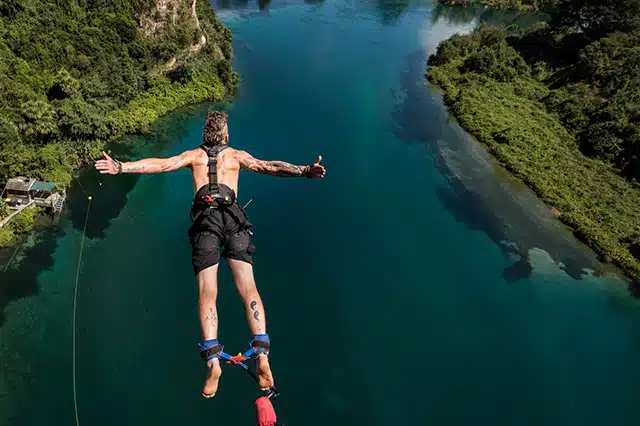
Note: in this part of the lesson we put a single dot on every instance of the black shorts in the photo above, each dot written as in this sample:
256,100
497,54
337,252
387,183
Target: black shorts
219,229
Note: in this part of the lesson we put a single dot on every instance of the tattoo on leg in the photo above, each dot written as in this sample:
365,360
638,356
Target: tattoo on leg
252,305
256,316
211,316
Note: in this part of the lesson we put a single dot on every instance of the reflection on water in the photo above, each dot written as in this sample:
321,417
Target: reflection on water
505,210
390,11
459,15
20,278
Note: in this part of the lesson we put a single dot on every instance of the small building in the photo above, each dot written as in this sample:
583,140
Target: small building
16,191
21,191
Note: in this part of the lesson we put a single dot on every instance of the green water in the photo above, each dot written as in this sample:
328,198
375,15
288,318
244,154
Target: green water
416,284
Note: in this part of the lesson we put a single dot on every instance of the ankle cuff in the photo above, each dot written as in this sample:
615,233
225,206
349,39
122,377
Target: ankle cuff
210,349
261,338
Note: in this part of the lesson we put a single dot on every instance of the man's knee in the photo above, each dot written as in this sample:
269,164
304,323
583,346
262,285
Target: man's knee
245,282
208,280
247,288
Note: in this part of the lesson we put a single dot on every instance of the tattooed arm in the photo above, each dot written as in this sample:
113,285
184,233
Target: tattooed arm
280,168
148,165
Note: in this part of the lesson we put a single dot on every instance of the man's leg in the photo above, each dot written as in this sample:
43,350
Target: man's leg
246,284
208,292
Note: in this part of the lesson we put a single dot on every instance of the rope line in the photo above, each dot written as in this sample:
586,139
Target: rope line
81,186
75,305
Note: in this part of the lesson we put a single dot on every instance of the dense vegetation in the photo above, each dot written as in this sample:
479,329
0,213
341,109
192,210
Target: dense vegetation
22,224
77,73
559,105
525,5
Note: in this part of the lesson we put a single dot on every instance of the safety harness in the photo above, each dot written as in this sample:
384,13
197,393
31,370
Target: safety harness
216,196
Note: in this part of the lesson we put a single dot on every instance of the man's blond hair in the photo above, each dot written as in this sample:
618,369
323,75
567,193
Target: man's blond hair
215,128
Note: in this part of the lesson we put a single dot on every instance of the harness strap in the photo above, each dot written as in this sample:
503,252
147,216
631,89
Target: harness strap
234,210
212,152
238,215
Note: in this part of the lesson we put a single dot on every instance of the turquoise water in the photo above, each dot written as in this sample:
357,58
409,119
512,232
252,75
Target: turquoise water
416,284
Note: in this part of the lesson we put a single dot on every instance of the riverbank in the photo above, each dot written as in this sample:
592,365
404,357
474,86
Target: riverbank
522,5
75,79
499,98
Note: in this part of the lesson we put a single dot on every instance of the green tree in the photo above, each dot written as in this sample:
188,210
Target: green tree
597,18
39,119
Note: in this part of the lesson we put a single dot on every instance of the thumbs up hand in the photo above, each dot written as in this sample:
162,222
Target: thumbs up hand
316,170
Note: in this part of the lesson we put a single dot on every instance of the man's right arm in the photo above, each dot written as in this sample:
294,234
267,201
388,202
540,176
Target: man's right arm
280,168
149,165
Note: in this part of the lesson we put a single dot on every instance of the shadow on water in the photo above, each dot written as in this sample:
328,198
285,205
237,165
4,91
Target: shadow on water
20,278
19,282
506,211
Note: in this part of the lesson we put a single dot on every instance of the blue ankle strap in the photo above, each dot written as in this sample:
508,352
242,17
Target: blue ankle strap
261,338
260,344
210,349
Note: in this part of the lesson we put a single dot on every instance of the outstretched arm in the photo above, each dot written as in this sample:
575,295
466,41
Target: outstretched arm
281,168
149,165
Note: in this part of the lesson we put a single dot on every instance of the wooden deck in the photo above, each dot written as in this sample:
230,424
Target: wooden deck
54,202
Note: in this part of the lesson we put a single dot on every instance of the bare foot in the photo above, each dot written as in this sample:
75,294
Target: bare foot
211,382
265,378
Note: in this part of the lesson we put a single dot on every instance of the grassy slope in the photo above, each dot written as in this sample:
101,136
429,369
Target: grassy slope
600,206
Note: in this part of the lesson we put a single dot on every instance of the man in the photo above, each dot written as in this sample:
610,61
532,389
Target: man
220,223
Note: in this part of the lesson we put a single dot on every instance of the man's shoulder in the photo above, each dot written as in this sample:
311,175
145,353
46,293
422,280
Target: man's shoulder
201,154
198,155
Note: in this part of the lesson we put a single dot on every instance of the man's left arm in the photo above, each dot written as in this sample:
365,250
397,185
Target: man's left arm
149,165
280,168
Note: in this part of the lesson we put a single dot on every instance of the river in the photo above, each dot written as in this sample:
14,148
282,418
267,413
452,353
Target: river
416,284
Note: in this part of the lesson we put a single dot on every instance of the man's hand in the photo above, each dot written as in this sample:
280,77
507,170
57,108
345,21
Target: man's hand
316,170
108,166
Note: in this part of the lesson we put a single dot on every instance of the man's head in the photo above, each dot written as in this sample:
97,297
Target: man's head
215,129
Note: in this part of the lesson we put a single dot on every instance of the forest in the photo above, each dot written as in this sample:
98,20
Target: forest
75,74
559,105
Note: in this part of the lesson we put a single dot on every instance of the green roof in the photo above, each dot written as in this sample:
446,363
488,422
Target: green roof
43,186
